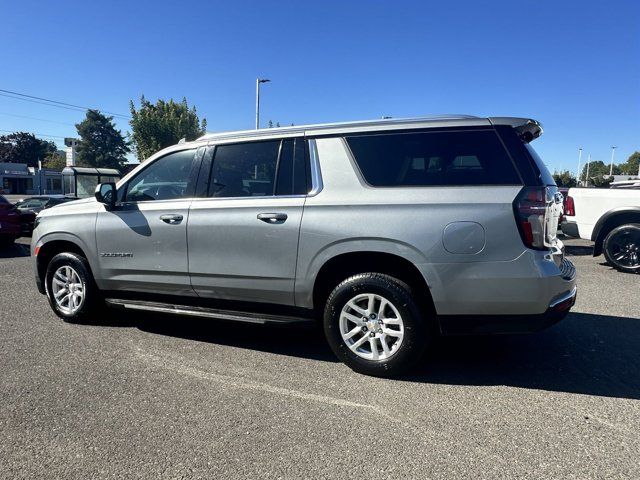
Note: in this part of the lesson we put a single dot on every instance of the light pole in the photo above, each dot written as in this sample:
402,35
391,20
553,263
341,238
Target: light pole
586,180
258,82
613,151
579,160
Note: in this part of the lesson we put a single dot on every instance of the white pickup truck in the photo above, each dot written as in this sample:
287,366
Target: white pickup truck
611,219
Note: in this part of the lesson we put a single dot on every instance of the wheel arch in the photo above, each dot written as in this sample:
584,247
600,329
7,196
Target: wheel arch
49,248
341,266
610,220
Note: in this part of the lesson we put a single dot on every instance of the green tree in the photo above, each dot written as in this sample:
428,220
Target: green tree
630,167
159,125
24,147
55,161
100,144
565,179
598,170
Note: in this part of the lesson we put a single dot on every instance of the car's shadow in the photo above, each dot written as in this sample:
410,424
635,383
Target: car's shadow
14,250
586,354
578,250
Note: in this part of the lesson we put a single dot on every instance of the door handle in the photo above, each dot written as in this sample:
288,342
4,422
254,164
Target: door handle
272,217
171,219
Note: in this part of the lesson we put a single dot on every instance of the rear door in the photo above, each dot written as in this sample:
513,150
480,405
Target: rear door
243,235
142,242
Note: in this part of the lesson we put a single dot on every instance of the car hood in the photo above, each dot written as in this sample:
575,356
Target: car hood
61,208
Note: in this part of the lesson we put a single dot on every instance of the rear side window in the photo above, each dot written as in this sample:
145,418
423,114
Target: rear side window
244,169
276,167
545,174
433,158
292,178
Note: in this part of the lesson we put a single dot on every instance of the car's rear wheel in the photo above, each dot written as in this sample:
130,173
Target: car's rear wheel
622,248
374,325
71,290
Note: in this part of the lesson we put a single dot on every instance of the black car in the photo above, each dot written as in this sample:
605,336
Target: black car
40,202
30,207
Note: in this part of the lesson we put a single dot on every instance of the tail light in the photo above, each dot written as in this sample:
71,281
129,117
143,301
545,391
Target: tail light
569,207
530,207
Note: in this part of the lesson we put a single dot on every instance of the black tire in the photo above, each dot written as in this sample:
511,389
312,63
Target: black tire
91,298
416,334
621,248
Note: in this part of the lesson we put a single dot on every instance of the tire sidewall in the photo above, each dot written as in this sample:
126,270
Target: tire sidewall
606,246
415,336
79,264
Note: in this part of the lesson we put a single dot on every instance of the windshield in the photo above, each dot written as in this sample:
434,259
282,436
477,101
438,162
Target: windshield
545,175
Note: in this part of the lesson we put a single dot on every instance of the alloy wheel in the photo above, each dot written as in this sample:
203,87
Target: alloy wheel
371,326
68,290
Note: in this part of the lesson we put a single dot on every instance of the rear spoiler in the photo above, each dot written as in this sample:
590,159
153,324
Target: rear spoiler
526,128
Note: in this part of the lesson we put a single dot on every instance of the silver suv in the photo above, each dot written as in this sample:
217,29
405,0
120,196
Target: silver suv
388,232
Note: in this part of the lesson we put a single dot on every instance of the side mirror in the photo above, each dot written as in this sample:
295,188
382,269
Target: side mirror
106,193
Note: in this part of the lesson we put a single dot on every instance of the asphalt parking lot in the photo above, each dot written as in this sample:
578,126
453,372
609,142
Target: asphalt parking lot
154,397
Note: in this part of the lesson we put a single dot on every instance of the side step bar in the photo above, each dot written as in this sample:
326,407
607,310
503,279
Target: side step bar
236,316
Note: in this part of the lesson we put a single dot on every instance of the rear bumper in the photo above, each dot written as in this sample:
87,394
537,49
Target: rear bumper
570,229
505,324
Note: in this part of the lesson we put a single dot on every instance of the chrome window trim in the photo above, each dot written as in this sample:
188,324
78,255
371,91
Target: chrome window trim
257,197
316,174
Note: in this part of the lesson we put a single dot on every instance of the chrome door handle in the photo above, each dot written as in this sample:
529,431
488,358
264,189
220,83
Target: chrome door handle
171,219
272,217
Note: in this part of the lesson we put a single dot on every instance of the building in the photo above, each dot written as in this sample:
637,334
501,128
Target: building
20,179
71,154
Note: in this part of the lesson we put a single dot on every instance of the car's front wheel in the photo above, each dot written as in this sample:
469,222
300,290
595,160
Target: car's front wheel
374,325
622,248
71,290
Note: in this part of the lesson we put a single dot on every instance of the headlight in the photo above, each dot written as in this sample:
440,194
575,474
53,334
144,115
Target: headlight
36,222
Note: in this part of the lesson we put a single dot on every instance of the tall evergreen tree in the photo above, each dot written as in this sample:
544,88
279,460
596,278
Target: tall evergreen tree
165,123
100,144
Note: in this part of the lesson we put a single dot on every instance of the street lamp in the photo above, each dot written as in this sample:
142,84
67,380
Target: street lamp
613,151
579,159
258,82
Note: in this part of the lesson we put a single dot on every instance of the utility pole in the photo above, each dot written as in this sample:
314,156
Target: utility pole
258,82
586,180
579,160
613,151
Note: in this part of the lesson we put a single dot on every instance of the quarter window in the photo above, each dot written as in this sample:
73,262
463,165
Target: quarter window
433,158
167,178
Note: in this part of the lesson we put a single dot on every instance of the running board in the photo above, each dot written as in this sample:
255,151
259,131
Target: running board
232,315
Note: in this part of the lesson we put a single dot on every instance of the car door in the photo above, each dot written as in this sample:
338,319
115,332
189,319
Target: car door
142,241
243,236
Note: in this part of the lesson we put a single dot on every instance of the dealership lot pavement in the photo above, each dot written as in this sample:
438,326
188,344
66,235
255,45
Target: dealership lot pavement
154,397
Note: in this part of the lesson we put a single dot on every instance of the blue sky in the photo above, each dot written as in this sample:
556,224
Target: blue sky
573,65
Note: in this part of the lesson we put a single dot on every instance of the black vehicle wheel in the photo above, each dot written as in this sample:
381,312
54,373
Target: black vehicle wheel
374,325
71,290
622,248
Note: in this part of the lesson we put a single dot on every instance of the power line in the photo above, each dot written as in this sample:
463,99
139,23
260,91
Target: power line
41,103
57,103
35,118
36,134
